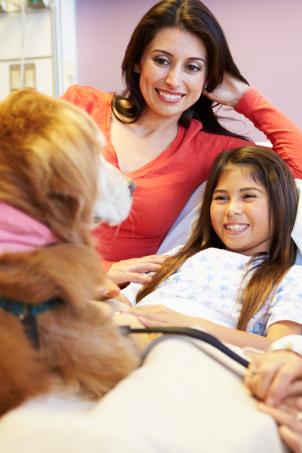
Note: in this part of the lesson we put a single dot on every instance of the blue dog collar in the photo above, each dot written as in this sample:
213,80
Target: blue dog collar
22,310
27,314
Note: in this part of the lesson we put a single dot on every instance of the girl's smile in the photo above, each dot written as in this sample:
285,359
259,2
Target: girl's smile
240,212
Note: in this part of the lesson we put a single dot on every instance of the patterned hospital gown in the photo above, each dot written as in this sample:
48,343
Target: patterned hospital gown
207,284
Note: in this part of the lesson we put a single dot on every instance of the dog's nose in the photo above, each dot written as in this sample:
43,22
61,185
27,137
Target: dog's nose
131,186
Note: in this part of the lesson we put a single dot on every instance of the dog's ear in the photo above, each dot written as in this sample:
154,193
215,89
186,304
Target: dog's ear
49,156
68,210
64,210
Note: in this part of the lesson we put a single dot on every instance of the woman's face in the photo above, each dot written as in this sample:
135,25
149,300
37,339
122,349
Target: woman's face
240,212
173,72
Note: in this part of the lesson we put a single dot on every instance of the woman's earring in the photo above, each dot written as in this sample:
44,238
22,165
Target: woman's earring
136,69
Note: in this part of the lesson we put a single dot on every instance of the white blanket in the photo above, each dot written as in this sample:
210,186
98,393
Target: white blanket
180,401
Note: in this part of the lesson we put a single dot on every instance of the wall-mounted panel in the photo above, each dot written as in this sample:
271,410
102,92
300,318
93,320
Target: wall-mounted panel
42,37
43,76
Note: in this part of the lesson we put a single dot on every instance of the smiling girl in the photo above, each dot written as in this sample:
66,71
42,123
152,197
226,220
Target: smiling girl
236,272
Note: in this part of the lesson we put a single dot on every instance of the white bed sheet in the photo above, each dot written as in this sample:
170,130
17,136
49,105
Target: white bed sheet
181,400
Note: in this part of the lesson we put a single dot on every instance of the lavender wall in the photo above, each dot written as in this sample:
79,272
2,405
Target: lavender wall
265,37
103,31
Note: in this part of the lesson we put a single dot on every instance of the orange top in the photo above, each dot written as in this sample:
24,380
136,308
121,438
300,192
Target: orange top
164,185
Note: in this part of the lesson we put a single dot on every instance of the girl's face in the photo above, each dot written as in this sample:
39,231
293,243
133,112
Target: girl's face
240,212
173,72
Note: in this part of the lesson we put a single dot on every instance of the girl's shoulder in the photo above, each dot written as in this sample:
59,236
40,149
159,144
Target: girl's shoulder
290,285
294,274
221,258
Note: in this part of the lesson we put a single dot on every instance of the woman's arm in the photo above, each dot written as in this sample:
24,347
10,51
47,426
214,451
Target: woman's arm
285,136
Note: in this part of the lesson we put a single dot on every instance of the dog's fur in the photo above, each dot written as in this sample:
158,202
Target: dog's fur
49,156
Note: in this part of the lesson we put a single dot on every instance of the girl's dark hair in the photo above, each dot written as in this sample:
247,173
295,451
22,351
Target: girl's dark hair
194,17
268,169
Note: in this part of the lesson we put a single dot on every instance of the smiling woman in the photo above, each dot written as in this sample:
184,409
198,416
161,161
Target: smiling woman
163,130
173,72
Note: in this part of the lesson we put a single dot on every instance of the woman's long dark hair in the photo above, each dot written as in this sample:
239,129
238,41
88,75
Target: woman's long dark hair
194,17
270,171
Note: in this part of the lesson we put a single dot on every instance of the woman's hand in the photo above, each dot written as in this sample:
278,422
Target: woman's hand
274,376
290,423
135,269
229,91
108,290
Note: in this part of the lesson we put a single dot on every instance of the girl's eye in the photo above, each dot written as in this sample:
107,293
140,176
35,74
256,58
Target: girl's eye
161,60
249,195
219,198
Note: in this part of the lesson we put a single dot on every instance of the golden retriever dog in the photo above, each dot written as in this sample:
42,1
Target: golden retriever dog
53,182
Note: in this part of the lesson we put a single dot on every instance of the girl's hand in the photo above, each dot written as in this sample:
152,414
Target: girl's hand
274,376
290,424
229,91
135,269
159,315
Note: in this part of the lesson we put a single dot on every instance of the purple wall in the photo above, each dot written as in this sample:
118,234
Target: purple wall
265,37
103,30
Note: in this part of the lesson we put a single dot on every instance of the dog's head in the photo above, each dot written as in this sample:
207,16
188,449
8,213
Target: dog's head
50,166
114,200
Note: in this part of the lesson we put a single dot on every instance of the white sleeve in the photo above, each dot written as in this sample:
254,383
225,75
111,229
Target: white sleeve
131,292
286,303
289,343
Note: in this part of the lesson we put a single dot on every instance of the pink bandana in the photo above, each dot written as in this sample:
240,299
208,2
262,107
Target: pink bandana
19,232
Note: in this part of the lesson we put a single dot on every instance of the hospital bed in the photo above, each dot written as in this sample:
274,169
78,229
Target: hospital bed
185,398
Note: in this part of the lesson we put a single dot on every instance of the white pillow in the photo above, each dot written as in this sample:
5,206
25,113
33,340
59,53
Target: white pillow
297,230
182,227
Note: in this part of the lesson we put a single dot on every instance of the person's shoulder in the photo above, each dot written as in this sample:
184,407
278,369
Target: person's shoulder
83,94
83,89
227,141
221,255
295,272
291,281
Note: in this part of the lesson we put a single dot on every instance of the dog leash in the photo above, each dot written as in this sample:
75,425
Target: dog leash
189,332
